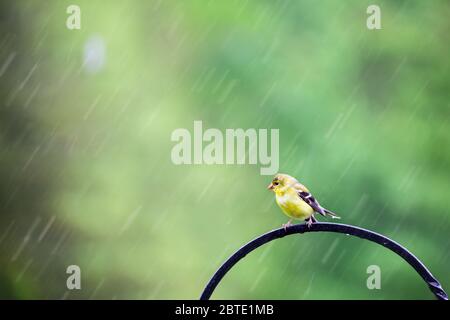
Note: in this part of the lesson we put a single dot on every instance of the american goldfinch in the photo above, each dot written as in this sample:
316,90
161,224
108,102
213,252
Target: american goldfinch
295,200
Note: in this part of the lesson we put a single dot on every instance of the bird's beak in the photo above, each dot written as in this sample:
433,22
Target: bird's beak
270,186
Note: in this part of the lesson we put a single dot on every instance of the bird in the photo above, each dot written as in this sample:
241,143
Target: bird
296,201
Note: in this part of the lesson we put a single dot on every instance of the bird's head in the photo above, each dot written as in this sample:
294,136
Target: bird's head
281,182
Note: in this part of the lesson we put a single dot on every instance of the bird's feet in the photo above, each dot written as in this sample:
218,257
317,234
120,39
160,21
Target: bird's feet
286,225
310,221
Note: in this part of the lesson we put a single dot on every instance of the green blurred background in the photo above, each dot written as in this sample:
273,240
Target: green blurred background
86,117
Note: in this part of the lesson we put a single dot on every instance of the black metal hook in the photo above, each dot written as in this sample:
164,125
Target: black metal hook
426,275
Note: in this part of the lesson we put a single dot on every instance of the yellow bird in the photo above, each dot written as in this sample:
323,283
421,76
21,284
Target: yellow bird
296,201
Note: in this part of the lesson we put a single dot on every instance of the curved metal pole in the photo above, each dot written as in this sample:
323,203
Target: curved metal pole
432,282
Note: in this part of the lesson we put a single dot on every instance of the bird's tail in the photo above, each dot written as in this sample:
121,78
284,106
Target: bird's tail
331,214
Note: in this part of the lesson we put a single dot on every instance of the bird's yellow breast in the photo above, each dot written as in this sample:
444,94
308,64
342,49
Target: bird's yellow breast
292,205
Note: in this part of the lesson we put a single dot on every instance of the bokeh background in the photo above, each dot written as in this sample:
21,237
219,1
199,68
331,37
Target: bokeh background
86,117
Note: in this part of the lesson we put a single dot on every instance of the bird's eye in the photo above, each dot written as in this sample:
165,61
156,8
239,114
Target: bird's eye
276,183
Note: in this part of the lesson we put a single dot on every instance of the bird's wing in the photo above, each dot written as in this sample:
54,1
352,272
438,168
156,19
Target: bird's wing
309,199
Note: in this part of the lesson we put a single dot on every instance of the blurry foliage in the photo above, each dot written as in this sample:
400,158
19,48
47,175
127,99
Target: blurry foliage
85,170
